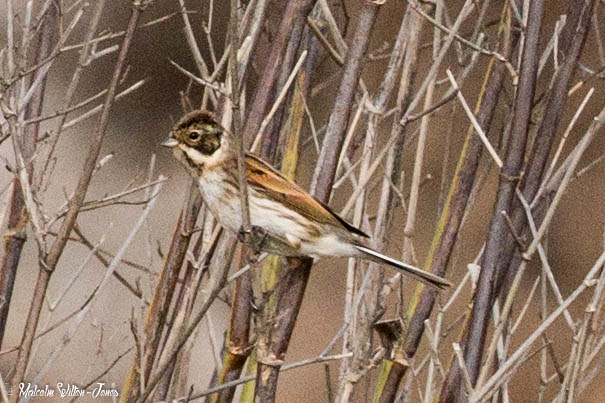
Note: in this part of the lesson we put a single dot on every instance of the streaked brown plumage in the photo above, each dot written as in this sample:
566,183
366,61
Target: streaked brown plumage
296,223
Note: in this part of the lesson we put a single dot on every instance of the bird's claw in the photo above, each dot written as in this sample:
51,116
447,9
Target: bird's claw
254,237
243,234
254,306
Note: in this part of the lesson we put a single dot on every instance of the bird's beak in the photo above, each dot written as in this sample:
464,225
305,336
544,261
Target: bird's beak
170,142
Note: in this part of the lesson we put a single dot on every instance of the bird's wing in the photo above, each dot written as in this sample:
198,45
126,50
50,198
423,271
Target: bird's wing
264,179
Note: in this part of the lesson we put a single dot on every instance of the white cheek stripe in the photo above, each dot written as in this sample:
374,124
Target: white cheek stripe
207,160
193,154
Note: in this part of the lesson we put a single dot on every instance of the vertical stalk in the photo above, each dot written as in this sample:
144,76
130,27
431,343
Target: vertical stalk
265,93
162,296
237,340
323,179
271,270
571,43
509,177
452,214
15,235
293,280
410,223
48,261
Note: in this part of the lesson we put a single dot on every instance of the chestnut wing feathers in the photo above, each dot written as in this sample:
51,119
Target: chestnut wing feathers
265,179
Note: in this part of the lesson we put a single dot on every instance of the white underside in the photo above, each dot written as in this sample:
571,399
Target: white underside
284,224
272,217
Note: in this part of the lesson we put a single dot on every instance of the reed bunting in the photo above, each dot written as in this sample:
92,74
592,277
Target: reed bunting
294,222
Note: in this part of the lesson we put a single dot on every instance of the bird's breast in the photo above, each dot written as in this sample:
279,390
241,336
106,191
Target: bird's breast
221,195
305,235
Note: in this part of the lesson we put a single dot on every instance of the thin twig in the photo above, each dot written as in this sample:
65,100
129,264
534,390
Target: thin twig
248,378
473,120
49,261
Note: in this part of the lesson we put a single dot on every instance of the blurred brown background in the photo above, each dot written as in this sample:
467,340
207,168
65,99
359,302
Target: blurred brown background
140,121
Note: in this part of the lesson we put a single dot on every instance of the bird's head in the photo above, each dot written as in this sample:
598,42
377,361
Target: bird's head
198,141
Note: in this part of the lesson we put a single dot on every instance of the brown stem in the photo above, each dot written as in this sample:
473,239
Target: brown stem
295,11
273,323
218,286
174,379
453,210
323,179
164,291
294,277
272,133
362,321
15,235
391,385
289,294
509,177
180,305
386,389
237,338
235,108
49,261
237,341
83,62
571,41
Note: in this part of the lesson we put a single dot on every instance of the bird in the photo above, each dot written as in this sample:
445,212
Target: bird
292,221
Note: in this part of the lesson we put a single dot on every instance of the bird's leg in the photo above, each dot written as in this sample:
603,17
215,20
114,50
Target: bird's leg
260,240
256,307
254,237
243,234
259,236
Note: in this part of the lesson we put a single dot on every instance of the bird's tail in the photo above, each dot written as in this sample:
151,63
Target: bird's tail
414,272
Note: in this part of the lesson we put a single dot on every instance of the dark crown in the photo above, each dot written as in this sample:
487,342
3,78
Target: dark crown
198,117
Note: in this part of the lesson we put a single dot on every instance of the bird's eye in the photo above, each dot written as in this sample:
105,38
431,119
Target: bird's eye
194,135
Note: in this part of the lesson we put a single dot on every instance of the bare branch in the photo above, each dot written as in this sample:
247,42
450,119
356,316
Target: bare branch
50,260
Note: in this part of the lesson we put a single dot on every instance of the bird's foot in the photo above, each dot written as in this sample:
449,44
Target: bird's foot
256,307
255,237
